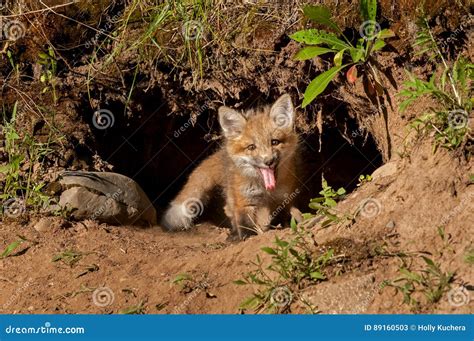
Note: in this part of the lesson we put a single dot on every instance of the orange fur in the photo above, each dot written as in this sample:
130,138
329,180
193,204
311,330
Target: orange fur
256,141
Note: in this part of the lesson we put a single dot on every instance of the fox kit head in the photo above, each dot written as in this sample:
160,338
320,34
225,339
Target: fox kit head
259,141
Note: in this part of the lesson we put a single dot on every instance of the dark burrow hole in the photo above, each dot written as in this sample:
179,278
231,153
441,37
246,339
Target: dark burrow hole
159,150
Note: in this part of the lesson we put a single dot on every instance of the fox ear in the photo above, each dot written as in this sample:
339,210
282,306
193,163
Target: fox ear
282,112
231,121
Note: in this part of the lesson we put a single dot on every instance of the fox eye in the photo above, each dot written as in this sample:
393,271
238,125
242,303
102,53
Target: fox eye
275,142
251,147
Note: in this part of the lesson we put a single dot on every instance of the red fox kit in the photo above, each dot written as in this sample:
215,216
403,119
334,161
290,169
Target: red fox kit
255,168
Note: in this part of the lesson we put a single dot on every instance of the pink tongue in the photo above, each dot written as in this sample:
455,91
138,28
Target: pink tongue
268,178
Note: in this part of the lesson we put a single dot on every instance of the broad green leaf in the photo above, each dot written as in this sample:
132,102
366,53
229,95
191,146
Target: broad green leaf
331,202
317,275
356,54
309,37
320,15
341,191
10,248
309,52
385,33
338,57
319,84
368,9
411,275
316,37
280,242
378,45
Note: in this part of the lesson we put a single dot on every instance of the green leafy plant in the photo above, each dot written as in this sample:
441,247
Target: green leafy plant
48,75
68,257
319,42
364,179
11,247
430,281
325,205
294,265
15,245
19,181
138,309
450,87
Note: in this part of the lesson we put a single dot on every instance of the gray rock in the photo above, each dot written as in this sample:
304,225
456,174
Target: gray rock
106,197
44,224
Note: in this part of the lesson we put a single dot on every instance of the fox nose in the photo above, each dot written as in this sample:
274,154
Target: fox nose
269,161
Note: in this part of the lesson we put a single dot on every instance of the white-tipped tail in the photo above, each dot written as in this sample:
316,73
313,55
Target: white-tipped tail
177,218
